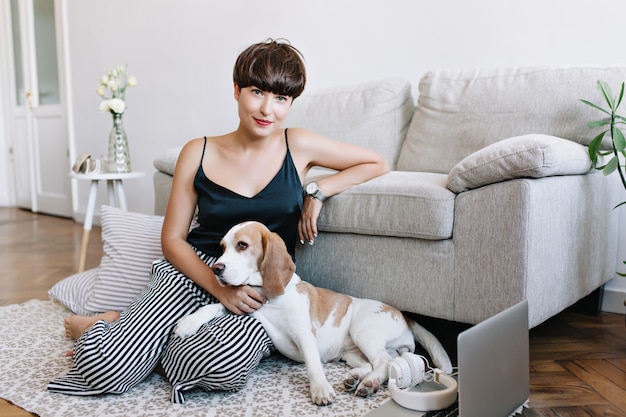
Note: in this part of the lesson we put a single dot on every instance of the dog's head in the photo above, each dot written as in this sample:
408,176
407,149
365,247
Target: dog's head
254,255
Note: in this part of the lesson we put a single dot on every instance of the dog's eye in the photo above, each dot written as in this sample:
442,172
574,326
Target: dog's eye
241,245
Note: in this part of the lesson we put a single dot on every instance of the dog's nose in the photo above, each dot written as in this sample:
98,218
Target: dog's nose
218,269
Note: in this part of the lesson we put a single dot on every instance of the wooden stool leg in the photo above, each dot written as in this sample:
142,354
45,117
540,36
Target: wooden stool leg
91,206
83,250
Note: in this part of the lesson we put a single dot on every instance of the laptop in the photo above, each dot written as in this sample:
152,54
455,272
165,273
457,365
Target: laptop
493,370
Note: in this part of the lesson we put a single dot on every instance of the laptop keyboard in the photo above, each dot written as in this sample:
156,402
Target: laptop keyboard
452,411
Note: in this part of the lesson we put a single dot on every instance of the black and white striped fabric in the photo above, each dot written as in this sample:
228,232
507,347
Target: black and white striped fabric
114,357
211,359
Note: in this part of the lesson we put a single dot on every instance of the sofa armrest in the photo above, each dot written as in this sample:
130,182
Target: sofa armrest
527,156
534,239
166,162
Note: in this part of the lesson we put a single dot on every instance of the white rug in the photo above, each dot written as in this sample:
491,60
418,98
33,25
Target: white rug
32,348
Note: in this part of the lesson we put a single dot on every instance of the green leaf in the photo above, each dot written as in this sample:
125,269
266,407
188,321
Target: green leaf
594,146
596,107
611,166
620,204
618,139
599,123
607,93
621,95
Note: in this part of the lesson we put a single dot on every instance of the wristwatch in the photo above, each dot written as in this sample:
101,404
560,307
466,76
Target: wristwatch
313,190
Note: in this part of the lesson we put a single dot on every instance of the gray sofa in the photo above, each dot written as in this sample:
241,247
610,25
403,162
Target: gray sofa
491,199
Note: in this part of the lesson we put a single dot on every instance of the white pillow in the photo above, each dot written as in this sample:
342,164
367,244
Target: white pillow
531,156
131,242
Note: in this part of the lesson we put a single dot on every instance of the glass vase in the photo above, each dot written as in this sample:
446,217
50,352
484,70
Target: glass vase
119,157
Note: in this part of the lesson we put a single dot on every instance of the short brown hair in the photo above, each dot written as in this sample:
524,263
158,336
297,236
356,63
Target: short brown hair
274,66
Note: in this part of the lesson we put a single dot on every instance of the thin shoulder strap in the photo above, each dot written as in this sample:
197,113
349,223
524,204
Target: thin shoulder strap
286,139
203,148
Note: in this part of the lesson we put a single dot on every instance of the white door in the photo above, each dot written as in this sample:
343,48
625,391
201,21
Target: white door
38,129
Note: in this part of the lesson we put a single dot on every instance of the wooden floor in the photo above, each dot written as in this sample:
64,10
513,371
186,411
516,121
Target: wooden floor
578,362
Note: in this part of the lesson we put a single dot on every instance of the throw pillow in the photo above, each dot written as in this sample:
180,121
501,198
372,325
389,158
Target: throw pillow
131,242
74,291
532,156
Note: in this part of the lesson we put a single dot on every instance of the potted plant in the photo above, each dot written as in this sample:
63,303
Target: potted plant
611,124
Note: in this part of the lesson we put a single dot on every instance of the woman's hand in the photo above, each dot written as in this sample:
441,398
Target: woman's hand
307,226
241,300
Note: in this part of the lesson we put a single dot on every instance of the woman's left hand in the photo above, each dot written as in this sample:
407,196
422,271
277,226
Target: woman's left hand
307,226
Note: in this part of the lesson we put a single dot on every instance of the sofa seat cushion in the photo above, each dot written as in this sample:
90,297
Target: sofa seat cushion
399,204
461,111
528,156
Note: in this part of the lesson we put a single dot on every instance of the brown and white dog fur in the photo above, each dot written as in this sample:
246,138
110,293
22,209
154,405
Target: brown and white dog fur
314,325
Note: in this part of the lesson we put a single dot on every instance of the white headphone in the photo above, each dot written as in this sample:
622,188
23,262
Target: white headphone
409,370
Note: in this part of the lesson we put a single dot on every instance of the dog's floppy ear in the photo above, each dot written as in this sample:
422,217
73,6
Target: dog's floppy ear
276,265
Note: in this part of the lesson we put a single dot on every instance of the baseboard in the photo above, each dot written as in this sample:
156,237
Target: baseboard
614,296
79,217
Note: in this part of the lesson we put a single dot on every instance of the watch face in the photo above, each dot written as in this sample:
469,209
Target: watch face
311,188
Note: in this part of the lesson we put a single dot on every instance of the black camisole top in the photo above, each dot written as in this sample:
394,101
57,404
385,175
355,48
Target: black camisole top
278,206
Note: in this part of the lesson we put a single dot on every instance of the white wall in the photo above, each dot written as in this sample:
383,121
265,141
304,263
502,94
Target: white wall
182,52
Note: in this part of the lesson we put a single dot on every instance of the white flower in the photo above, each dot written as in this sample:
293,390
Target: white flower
117,105
112,89
112,84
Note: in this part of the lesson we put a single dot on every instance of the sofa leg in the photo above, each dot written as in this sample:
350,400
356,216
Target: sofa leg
590,305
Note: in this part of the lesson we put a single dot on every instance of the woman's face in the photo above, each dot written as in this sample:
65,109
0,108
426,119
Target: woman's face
261,112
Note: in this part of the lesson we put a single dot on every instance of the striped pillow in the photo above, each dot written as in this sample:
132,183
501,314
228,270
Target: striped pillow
131,242
74,291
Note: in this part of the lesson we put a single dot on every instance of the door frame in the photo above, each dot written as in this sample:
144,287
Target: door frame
7,181
8,192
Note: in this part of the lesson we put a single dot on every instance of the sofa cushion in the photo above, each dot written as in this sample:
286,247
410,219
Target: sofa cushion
400,204
375,115
533,156
461,111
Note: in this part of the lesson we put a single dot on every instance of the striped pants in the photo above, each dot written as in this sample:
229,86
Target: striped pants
114,357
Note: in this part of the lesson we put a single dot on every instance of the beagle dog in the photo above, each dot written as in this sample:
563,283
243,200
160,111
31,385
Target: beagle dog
314,325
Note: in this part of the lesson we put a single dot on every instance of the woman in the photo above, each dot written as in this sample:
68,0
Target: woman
252,173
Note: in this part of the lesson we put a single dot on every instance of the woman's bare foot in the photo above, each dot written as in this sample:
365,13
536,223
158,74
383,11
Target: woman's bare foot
76,325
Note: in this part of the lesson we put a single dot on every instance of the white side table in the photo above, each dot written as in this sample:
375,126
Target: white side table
115,196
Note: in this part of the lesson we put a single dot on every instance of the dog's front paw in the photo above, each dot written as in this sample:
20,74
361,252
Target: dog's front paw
188,325
352,380
322,393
